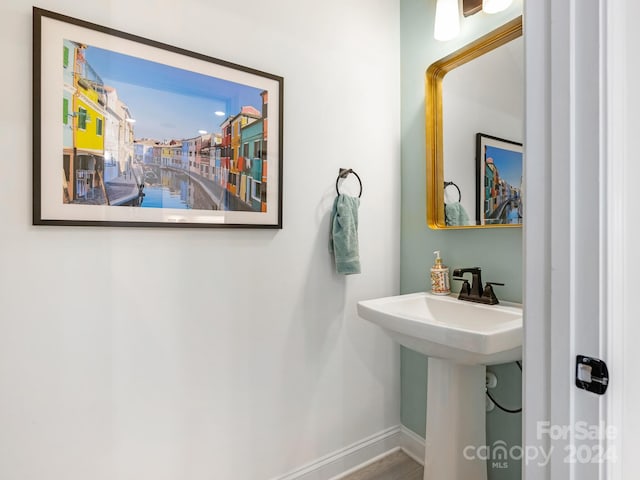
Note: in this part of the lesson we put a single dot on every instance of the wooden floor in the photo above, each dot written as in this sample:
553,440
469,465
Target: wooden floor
396,466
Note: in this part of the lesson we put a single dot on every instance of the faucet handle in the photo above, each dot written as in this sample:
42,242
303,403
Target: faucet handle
466,288
489,293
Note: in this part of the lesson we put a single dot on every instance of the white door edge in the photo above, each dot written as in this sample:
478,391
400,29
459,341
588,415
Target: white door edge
574,267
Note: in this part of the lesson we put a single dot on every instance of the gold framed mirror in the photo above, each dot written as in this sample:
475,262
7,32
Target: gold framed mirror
474,129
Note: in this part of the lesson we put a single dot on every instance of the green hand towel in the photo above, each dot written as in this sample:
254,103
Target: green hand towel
456,214
343,241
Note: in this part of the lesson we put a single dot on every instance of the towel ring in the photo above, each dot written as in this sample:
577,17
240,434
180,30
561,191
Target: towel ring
344,173
448,184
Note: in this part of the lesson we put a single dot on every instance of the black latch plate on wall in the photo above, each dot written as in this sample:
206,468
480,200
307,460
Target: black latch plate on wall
591,374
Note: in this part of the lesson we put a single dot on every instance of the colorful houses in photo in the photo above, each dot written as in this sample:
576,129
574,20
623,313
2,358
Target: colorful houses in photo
97,130
83,127
491,179
175,147
203,154
246,116
143,151
265,131
156,154
118,143
247,138
216,152
225,153
250,164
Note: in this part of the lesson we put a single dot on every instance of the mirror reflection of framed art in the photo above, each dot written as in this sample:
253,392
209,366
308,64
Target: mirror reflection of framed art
499,181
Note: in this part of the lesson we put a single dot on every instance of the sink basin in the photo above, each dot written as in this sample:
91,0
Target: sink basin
448,328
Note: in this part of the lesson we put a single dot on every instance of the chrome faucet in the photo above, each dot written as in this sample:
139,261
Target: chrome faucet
475,292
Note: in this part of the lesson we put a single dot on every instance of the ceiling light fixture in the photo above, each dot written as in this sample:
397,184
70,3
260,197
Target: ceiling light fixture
495,6
447,24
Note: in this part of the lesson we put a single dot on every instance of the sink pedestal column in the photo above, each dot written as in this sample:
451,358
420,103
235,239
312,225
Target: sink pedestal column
456,412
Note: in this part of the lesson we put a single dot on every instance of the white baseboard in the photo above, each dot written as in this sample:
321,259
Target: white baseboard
360,454
412,444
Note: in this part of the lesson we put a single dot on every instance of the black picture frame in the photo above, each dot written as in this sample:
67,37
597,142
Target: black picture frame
123,111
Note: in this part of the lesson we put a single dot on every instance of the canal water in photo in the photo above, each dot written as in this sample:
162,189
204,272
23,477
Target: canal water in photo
170,189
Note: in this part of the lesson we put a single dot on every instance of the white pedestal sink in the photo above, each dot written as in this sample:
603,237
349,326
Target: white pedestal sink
460,338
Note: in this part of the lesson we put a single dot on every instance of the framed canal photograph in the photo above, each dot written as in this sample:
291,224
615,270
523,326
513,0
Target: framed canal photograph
499,181
132,132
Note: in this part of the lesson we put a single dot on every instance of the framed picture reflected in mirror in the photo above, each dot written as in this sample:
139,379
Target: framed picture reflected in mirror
499,181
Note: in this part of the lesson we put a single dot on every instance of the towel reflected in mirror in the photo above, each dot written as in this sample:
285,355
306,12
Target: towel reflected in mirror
454,212
456,215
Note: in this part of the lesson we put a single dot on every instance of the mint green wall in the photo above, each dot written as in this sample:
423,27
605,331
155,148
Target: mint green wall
497,251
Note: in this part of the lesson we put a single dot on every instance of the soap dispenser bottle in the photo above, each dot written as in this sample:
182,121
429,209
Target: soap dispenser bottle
440,277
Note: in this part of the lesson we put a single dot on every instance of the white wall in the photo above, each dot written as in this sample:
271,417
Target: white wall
197,354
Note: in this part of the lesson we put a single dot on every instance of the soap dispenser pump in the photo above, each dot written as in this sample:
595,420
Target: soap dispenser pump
440,277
